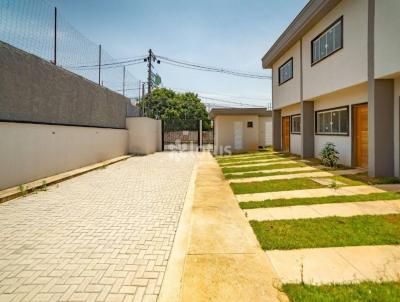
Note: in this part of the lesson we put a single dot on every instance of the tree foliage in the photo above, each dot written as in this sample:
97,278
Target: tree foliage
167,104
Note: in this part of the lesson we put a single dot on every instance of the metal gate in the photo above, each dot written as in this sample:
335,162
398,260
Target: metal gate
187,135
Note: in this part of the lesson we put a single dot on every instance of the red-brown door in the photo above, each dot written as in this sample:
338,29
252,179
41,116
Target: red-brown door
285,133
361,135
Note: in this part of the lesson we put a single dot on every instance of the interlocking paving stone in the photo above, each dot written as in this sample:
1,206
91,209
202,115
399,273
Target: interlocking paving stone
102,236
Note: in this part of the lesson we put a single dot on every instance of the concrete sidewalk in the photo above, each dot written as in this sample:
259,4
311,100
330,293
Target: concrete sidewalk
337,264
224,260
341,191
346,209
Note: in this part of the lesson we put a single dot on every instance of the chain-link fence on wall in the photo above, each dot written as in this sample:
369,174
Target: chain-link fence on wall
38,28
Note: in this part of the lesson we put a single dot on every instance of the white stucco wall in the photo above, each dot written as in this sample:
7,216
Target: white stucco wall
346,67
387,41
397,127
289,92
31,151
224,133
295,139
144,135
347,97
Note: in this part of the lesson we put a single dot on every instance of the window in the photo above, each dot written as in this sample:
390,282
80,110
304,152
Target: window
286,71
295,124
327,42
249,124
333,122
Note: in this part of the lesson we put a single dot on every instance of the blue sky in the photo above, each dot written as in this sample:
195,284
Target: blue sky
225,33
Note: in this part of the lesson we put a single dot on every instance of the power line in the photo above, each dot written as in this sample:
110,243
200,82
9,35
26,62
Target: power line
222,95
231,102
202,67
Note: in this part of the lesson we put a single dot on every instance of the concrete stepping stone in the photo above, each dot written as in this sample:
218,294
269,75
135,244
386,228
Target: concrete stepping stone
338,264
327,181
263,164
345,191
239,163
295,169
346,209
277,177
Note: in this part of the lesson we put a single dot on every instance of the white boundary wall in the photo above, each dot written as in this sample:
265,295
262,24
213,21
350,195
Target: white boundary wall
33,151
144,135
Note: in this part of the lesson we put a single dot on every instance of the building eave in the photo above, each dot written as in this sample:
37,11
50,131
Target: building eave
314,11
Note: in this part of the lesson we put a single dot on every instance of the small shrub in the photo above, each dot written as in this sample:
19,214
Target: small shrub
329,155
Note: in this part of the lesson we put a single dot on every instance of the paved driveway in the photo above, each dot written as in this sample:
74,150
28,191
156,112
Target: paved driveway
103,236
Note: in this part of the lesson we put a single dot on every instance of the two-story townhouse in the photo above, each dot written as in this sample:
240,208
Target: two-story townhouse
336,78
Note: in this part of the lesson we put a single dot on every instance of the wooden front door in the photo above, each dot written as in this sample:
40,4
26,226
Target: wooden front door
285,133
361,135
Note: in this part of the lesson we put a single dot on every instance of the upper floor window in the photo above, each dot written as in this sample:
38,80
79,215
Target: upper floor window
333,121
286,71
327,42
295,124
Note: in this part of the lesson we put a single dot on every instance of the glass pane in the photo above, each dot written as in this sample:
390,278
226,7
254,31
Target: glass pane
317,53
330,41
335,121
338,35
320,122
344,121
323,46
327,122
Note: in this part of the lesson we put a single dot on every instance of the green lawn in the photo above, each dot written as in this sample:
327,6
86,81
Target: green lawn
328,232
317,200
263,167
275,185
362,292
259,174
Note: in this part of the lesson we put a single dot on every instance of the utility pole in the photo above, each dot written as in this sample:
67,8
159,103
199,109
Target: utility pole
150,59
55,36
143,100
99,64
123,81
149,71
140,86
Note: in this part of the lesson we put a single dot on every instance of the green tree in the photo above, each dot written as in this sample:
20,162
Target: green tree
167,104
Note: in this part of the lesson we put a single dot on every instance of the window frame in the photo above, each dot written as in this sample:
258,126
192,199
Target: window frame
341,108
250,124
291,123
322,33
279,72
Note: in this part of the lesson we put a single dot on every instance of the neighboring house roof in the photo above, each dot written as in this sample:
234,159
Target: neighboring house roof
314,11
240,111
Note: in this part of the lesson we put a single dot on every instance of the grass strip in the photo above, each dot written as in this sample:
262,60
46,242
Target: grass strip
260,174
319,200
275,185
263,167
328,232
361,292
364,178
